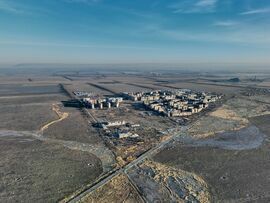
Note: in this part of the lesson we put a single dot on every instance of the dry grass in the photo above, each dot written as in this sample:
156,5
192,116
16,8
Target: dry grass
248,108
36,171
225,113
211,125
118,189
163,173
61,116
25,117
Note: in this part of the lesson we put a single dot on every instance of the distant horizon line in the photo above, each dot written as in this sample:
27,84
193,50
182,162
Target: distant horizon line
136,63
198,67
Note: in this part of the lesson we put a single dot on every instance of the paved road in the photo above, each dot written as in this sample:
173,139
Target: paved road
125,169
90,115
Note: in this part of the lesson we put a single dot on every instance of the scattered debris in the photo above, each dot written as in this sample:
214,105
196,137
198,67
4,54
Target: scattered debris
162,183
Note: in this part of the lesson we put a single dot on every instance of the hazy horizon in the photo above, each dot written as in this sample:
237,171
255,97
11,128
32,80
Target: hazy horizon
139,67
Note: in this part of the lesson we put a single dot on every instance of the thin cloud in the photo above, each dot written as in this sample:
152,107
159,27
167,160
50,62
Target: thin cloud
83,1
21,9
225,23
206,3
9,7
256,11
194,6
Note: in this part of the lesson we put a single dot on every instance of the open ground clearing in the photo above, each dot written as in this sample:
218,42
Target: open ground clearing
205,87
120,87
265,83
30,79
84,86
246,138
37,171
263,99
221,120
24,89
32,99
211,125
25,117
76,133
73,128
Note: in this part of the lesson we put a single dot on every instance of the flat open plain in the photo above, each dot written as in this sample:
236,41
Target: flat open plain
222,157
41,166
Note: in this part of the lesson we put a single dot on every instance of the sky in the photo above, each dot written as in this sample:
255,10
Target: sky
135,31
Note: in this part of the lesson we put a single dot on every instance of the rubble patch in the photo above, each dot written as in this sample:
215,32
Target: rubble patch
162,183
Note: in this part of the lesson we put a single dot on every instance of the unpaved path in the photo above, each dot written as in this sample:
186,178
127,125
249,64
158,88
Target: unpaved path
61,116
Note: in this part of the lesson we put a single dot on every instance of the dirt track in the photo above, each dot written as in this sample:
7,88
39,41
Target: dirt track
61,116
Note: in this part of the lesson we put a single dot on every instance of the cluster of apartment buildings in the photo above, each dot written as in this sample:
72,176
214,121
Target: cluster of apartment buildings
144,96
173,103
94,102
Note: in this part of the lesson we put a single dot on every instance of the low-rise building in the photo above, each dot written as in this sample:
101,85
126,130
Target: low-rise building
125,134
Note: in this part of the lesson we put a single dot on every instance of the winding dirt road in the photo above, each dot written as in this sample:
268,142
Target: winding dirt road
61,116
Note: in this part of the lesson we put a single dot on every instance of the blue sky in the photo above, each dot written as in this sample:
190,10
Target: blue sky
135,31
